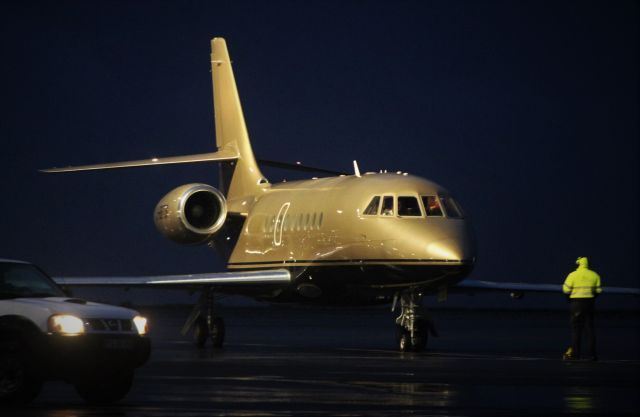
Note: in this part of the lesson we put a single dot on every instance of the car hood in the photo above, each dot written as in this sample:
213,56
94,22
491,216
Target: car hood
74,306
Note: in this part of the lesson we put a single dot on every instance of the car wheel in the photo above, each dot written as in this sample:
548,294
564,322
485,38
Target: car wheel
18,384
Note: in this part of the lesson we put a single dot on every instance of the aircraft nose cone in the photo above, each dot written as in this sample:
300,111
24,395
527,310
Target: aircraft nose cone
459,244
452,249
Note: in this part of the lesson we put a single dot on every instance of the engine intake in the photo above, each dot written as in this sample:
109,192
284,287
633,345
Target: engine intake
191,214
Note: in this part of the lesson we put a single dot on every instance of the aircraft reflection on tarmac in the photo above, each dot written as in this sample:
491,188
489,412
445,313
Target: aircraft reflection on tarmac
292,374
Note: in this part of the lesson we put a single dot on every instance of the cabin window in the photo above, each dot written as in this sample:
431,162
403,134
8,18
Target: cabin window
372,208
432,206
387,206
451,208
320,220
408,206
314,225
287,221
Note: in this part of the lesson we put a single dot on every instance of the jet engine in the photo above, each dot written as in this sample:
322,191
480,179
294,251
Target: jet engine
191,214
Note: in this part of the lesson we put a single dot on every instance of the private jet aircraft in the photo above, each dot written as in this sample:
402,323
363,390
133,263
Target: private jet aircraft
360,239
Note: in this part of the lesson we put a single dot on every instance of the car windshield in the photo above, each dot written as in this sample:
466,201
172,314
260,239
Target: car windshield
25,280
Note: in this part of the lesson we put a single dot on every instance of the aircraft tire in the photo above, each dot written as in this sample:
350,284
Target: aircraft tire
218,332
406,343
18,384
200,333
105,389
403,339
419,343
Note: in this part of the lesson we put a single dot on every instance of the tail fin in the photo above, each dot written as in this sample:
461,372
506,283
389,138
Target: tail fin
241,177
239,173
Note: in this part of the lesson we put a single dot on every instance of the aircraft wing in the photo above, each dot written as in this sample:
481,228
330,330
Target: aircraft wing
220,156
216,279
472,285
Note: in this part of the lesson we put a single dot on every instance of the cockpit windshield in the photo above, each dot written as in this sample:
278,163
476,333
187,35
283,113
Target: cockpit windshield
387,205
451,207
372,208
432,206
25,280
408,206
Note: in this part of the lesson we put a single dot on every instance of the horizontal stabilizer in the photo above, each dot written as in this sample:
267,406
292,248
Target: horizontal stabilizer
297,167
219,279
220,156
472,284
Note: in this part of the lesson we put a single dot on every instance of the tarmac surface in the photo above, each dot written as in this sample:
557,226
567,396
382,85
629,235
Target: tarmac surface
294,361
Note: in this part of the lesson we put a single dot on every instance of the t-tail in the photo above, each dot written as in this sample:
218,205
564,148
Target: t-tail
195,213
240,175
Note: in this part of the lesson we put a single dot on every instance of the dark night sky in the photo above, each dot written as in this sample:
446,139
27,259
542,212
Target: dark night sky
526,111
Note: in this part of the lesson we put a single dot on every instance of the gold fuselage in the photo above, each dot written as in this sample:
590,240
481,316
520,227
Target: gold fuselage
317,229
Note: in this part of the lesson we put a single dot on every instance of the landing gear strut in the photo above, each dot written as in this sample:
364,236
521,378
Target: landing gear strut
413,325
204,321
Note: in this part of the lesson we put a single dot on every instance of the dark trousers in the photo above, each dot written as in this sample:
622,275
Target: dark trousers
582,312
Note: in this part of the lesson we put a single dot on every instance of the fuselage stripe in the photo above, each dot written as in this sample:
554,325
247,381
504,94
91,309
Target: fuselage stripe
354,262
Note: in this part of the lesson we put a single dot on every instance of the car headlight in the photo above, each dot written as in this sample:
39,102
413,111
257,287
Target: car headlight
141,325
66,324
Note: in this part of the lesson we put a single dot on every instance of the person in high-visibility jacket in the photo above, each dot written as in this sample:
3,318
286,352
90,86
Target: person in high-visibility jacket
582,286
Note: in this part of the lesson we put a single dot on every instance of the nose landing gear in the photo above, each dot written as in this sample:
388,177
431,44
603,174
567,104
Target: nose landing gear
413,325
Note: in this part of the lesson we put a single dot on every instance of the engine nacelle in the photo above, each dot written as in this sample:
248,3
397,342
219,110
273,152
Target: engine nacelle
191,214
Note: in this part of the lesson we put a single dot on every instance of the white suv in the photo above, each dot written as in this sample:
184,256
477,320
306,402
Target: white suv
45,335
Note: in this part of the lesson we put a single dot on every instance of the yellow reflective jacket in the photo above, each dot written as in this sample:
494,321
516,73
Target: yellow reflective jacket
583,282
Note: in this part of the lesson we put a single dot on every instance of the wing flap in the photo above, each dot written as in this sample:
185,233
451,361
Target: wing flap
218,279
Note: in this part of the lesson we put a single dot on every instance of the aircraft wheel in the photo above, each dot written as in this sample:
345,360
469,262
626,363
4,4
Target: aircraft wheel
404,343
217,332
419,343
422,336
403,339
200,333
416,344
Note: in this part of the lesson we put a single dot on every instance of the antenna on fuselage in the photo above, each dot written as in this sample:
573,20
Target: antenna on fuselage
356,170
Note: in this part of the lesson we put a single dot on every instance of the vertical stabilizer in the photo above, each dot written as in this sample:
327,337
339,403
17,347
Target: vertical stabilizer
239,178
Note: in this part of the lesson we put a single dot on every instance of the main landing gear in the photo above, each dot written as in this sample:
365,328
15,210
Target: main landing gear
205,323
413,325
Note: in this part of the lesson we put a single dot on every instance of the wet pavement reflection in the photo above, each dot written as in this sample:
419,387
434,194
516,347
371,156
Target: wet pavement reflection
279,362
